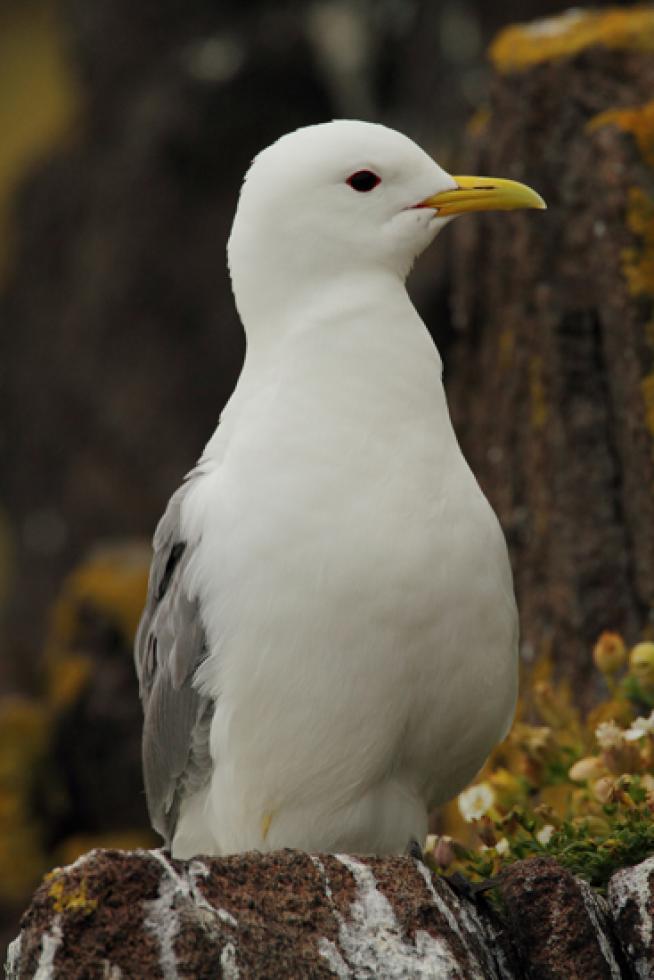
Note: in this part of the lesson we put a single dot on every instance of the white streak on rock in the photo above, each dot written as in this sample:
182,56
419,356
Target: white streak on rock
323,874
50,941
162,919
470,920
228,965
111,971
371,941
491,935
13,957
633,885
598,914
326,947
335,961
198,869
163,922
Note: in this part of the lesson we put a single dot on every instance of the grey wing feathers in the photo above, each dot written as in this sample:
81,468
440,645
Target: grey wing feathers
170,646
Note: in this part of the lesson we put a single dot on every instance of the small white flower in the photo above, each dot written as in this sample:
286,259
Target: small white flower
502,847
544,835
476,801
609,735
639,728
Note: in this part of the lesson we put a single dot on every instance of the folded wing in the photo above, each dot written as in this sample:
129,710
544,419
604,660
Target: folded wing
170,646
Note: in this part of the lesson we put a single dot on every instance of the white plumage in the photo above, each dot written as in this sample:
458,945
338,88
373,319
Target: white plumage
330,642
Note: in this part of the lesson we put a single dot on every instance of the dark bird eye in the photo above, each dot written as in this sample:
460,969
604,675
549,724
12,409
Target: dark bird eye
363,180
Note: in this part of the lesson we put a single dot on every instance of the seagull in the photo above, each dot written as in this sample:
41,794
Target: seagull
328,648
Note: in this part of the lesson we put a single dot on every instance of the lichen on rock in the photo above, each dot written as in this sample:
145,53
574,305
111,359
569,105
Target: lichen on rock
522,46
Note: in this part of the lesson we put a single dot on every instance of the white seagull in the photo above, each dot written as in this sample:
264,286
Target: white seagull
329,644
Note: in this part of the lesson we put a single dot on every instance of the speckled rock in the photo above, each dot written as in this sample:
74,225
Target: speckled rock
631,901
561,927
123,914
286,914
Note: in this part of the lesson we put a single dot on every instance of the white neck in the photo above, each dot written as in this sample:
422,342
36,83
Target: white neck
357,339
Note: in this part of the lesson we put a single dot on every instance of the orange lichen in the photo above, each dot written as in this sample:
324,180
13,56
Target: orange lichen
520,46
638,120
638,259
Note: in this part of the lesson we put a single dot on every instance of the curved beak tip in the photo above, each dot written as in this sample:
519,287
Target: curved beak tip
484,194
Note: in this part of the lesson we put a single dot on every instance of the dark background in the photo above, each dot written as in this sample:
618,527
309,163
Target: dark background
129,127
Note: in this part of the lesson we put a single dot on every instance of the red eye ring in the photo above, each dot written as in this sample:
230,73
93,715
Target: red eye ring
363,181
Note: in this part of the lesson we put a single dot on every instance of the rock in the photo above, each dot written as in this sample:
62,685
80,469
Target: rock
141,914
631,901
560,926
555,332
117,914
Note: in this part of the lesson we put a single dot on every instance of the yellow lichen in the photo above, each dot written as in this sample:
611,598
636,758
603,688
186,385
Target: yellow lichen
520,46
638,120
67,898
112,582
638,260
539,409
647,389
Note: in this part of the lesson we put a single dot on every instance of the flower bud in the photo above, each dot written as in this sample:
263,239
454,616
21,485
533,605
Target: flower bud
641,664
486,832
443,853
586,769
604,789
609,653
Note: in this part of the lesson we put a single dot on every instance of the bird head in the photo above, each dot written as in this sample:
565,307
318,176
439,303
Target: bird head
344,196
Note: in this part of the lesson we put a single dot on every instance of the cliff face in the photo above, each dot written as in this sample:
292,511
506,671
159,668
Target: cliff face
551,378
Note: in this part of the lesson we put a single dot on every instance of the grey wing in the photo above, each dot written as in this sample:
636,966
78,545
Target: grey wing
170,646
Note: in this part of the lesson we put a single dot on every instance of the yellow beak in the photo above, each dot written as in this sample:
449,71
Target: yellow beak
483,194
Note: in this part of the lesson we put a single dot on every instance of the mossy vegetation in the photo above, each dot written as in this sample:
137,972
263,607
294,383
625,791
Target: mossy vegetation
579,789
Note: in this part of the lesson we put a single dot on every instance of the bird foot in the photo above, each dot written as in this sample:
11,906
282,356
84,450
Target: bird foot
414,850
463,888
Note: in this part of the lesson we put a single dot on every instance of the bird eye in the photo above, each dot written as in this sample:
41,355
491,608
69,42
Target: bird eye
363,180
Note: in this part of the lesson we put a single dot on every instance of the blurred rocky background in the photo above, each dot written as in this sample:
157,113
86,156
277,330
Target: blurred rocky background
126,129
